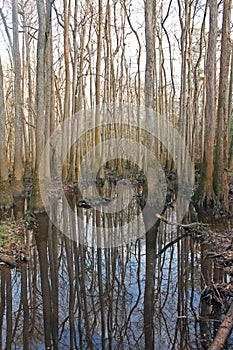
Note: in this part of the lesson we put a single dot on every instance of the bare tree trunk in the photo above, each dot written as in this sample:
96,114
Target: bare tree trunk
24,299
205,190
8,310
149,30
221,150
18,162
6,198
151,233
44,14
230,116
66,112
41,237
97,84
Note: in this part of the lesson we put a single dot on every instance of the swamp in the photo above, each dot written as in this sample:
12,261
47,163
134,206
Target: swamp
116,175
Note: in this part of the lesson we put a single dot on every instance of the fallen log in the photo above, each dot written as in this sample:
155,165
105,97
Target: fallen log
223,331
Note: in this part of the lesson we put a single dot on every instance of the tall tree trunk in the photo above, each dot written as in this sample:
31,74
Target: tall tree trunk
205,190
18,162
97,84
151,232
221,149
66,115
230,116
44,15
149,30
41,237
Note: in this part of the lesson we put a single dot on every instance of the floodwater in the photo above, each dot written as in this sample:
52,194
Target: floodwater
73,295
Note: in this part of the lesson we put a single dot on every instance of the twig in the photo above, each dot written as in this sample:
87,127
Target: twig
184,226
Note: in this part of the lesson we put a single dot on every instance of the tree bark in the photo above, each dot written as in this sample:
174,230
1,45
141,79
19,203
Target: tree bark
221,149
44,15
18,163
6,198
205,189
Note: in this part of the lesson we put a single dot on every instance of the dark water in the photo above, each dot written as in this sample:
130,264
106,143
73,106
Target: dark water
74,296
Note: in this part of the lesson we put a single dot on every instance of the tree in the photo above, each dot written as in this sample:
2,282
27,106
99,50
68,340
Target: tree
18,162
149,214
97,85
205,190
230,116
5,191
42,109
222,131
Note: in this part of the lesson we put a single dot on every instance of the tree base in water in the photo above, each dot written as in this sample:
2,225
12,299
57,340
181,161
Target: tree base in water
36,203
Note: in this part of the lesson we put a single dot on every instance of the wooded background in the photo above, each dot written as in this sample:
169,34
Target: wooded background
58,57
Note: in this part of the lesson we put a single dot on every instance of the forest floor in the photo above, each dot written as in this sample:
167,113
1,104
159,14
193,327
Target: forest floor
217,242
219,236
13,242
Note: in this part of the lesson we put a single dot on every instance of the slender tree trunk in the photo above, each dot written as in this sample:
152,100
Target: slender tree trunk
151,233
97,85
18,162
66,114
41,237
149,30
230,116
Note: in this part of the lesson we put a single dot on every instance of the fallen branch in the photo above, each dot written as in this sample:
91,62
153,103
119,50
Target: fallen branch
174,241
223,331
184,226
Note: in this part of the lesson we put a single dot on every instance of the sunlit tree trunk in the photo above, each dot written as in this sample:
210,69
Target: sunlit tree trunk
42,108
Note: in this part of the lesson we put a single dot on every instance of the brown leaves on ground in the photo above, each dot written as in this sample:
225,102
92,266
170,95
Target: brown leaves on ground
13,247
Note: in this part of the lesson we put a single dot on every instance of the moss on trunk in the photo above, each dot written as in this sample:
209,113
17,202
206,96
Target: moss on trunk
36,203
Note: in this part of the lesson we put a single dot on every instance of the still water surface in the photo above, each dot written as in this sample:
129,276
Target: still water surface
74,296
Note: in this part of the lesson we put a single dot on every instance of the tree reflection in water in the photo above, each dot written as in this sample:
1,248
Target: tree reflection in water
71,296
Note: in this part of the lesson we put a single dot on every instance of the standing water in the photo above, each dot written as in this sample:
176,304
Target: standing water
78,296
